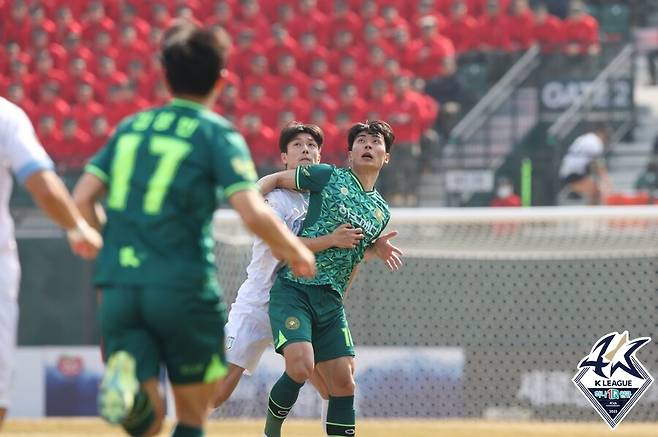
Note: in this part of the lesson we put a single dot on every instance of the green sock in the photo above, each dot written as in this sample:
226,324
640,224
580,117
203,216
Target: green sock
282,397
187,431
341,418
141,417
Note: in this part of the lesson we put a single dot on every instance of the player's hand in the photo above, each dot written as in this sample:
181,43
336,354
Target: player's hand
302,261
85,241
387,252
346,236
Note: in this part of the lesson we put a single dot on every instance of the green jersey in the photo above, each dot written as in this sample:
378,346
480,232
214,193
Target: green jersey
162,168
337,197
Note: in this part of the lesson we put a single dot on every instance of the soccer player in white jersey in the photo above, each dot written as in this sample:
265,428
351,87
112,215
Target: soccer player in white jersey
248,330
21,154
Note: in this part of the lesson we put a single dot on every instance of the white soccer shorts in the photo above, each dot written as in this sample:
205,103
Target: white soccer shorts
247,335
9,279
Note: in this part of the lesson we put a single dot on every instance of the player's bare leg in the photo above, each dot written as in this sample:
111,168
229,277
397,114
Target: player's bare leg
227,386
193,403
3,412
321,386
154,393
284,393
339,375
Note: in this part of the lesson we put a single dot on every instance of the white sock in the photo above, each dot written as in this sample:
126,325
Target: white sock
323,415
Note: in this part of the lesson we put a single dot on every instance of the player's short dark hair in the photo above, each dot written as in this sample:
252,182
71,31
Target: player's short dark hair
373,128
193,57
294,128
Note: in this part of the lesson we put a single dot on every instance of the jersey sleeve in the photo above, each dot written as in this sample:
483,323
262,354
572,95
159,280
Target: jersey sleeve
233,167
313,177
21,147
100,164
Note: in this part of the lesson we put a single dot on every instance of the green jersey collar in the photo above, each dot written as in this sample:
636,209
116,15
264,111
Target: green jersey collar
177,101
358,182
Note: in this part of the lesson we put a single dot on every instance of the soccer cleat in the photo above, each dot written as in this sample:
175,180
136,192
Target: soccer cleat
118,389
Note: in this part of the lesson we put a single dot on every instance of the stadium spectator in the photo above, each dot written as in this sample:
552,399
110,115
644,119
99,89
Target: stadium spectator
130,48
288,74
77,74
16,94
160,17
245,51
400,44
74,48
453,97
333,149
379,99
505,195
309,51
426,8
95,20
229,103
251,18
320,71
521,21
350,72
129,18
480,8
581,32
462,29
160,95
261,140
65,23
51,103
343,20
74,148
84,108
281,44
583,171
99,133
103,45
12,52
343,45
309,19
320,98
291,101
115,104
494,29
259,73
49,135
429,52
392,20
285,14
369,13
18,71
284,118
259,103
222,15
18,26
547,30
44,72
107,76
350,102
41,21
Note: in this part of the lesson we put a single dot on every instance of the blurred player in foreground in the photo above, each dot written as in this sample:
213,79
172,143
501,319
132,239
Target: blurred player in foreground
22,154
248,331
307,316
160,301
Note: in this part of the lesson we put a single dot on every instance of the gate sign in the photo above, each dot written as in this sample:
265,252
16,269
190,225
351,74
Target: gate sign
557,95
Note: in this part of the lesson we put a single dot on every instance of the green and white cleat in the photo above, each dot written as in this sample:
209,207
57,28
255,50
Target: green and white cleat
119,387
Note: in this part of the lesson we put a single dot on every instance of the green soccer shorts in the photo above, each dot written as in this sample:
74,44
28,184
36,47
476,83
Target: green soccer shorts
309,313
180,328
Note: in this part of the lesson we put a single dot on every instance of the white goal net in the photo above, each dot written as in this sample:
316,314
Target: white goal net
490,314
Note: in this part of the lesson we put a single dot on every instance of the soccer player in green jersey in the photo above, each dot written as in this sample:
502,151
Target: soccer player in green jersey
160,301
307,315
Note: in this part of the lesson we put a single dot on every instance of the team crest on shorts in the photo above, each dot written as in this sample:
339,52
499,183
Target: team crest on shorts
292,323
612,378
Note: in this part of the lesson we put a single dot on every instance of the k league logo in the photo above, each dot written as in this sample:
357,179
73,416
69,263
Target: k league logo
612,378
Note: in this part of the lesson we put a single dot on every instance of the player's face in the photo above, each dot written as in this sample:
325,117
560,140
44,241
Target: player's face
302,150
369,151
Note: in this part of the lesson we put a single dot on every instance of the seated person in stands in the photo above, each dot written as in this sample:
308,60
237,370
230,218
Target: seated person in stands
505,195
583,171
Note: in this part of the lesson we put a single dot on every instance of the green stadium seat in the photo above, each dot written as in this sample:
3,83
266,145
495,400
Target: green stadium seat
474,77
614,21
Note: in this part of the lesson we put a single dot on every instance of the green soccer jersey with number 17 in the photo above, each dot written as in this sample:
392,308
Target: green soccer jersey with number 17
337,197
162,168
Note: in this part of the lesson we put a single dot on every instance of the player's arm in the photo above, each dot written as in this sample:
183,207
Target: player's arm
34,170
344,236
281,179
260,220
87,194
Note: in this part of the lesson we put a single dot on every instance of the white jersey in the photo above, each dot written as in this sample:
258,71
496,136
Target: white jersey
20,154
585,149
290,206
